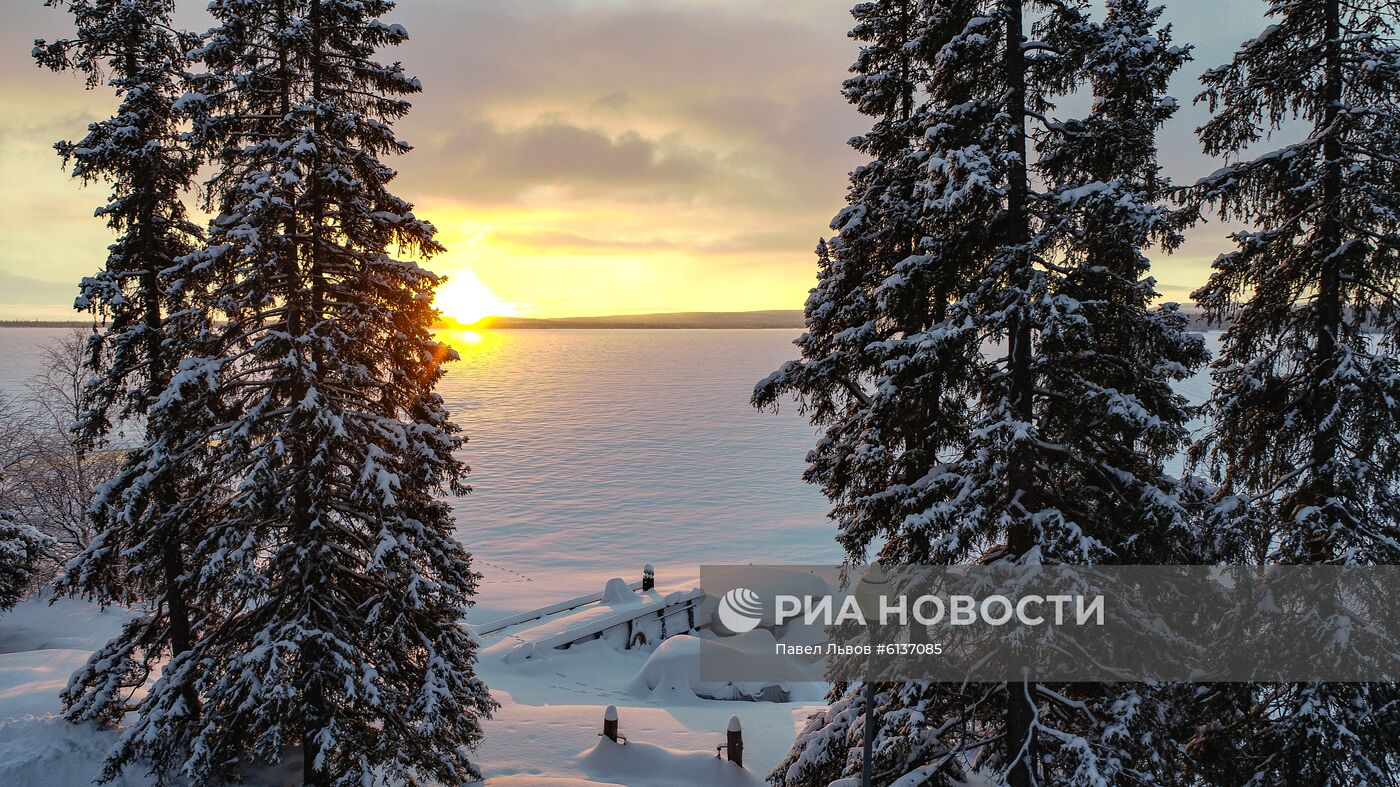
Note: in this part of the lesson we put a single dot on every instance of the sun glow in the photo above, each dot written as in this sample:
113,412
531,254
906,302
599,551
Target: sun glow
466,300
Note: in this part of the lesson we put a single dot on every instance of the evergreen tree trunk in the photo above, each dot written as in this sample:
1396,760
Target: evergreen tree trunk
317,716
157,379
1020,711
1329,297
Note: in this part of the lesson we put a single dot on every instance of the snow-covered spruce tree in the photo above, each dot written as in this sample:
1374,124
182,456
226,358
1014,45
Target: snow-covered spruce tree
878,393
873,442
1052,446
1106,358
1105,361
1305,411
20,549
325,564
136,554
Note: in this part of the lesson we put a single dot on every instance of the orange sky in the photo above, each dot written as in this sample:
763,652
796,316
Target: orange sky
577,157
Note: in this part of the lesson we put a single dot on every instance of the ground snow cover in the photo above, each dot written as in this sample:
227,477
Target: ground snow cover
546,734
40,646
552,709
43,750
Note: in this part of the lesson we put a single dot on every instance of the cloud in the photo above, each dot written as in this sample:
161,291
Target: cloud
1175,290
719,101
554,240
650,130
702,139
484,160
798,240
612,102
23,290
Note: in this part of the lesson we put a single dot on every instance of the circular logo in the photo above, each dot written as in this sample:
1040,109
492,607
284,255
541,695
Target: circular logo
740,610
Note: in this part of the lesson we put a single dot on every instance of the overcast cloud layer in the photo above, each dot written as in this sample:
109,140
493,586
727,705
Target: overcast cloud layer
579,157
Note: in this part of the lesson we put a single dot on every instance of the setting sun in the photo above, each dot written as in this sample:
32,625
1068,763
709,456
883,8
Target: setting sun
466,299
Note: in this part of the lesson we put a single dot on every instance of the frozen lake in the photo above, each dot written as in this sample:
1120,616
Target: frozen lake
594,452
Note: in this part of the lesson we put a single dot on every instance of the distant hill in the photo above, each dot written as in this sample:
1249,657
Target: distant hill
787,319
773,318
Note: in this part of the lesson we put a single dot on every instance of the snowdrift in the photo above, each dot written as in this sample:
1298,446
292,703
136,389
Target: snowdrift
672,672
637,764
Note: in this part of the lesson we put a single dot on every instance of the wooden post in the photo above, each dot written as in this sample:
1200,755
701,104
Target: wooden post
648,578
610,723
734,745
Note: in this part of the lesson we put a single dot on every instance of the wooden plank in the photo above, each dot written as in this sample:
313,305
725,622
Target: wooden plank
592,629
491,627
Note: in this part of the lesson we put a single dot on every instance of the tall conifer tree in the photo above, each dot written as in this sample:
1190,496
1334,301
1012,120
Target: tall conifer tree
137,554
1303,411
1305,419
325,559
865,375
1050,446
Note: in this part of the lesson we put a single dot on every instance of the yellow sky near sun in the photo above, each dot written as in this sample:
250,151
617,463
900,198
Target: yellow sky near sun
543,263
491,276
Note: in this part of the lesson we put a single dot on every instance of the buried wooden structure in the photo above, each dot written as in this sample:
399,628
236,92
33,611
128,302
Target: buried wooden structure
646,623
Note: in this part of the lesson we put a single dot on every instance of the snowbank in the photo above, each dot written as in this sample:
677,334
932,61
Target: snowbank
67,623
31,682
672,672
38,752
41,644
617,592
654,766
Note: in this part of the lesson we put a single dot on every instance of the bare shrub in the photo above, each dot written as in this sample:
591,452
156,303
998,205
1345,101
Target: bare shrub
47,482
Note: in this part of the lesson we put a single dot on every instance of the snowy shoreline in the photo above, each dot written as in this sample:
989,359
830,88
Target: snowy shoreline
545,733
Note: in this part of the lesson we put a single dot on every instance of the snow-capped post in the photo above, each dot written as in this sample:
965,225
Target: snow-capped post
648,578
610,723
734,742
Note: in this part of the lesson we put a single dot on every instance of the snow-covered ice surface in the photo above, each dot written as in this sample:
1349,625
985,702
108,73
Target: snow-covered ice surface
593,453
